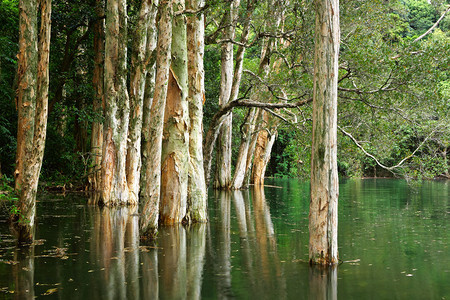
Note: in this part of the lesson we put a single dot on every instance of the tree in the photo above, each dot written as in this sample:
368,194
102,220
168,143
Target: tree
223,157
32,104
98,102
151,183
175,145
197,189
147,15
323,248
117,107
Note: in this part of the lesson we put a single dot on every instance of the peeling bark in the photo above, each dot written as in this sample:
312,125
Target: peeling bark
323,248
151,184
117,109
32,104
146,19
175,147
197,190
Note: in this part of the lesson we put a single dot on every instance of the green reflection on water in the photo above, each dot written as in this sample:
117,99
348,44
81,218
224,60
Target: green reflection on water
393,238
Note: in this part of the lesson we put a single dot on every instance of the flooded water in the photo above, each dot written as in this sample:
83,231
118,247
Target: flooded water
394,241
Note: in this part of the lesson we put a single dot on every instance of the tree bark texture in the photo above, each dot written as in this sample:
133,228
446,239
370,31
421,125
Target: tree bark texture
223,156
32,104
197,190
150,63
247,130
323,248
263,148
98,106
117,107
175,146
137,89
151,185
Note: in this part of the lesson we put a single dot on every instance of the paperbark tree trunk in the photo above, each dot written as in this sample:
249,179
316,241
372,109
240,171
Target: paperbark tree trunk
175,147
223,156
197,190
263,149
117,109
248,126
323,209
32,103
150,63
241,165
150,187
137,88
97,82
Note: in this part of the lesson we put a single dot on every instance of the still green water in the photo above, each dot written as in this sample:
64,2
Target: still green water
393,240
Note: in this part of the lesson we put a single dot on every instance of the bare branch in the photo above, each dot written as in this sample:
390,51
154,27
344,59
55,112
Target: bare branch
376,160
432,27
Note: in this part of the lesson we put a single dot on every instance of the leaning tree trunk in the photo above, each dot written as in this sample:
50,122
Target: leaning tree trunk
117,109
196,203
241,165
223,156
32,101
175,147
94,177
137,89
323,248
151,152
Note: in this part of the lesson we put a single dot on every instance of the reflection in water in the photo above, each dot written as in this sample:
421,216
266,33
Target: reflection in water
254,250
115,245
23,273
172,270
222,267
323,283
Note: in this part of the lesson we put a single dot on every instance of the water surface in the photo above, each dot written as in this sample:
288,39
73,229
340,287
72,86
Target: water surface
393,240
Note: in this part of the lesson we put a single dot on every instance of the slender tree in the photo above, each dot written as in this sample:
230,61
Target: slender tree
323,248
151,168
223,157
139,71
98,102
32,105
196,205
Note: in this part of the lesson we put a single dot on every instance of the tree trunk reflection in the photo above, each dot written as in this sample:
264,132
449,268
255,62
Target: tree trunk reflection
322,282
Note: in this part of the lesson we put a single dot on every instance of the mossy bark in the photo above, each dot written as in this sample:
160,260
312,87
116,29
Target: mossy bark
117,107
175,146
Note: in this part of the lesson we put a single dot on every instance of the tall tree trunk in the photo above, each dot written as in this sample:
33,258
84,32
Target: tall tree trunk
117,109
248,126
150,192
196,205
137,89
175,147
323,248
150,63
26,87
97,82
32,102
223,156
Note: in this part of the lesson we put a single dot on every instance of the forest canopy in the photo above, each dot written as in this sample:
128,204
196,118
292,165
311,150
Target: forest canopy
393,101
